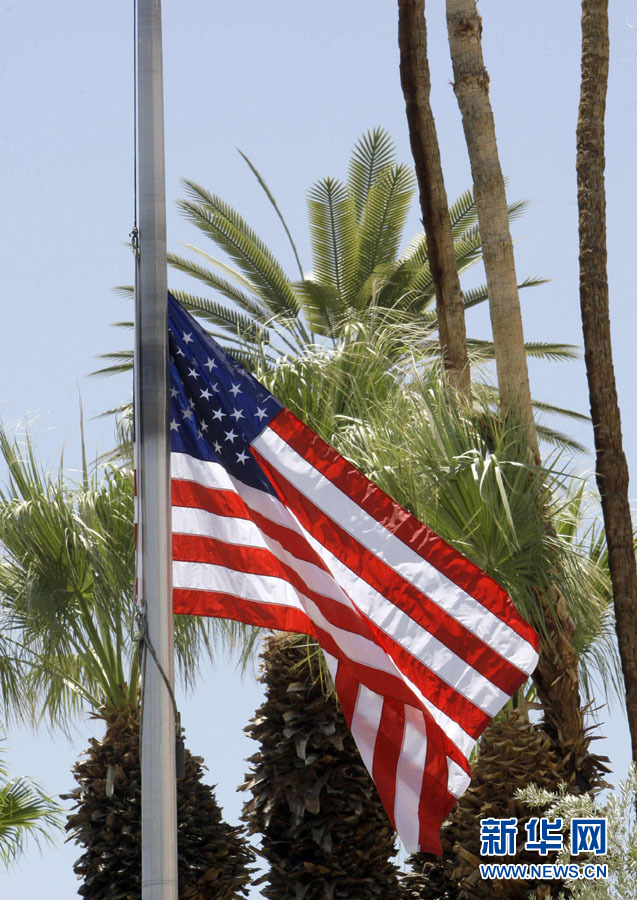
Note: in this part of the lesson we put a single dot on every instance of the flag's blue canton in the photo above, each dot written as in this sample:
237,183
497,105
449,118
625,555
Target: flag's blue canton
216,407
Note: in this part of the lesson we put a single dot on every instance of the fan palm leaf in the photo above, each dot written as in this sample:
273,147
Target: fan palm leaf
25,811
67,577
66,581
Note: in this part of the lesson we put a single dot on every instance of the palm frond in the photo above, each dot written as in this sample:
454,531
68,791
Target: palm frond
321,306
334,233
468,248
374,152
25,812
463,213
542,406
228,290
537,349
383,219
516,209
270,197
474,296
552,351
242,244
554,438
122,362
225,268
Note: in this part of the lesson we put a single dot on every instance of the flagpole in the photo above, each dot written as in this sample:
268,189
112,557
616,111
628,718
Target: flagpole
159,805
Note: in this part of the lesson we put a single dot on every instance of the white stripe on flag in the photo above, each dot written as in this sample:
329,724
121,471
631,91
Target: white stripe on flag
365,722
409,776
457,780
421,644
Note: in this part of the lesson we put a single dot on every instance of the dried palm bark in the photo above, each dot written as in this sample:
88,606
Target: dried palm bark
324,831
214,859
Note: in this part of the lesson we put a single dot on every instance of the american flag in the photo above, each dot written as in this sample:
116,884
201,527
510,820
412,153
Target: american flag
272,527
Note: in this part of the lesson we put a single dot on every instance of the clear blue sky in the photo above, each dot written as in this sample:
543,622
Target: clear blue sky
293,85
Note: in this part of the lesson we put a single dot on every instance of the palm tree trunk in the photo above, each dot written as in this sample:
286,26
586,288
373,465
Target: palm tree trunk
416,84
214,858
471,86
556,676
611,468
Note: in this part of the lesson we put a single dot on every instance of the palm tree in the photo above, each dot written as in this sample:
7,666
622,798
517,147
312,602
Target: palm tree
25,811
611,468
66,581
471,86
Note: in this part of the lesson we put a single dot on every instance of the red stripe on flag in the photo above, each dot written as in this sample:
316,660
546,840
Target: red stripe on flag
398,521
456,754
444,696
347,691
387,753
276,617
281,617
435,800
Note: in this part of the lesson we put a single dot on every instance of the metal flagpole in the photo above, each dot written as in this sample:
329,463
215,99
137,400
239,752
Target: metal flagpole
159,804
